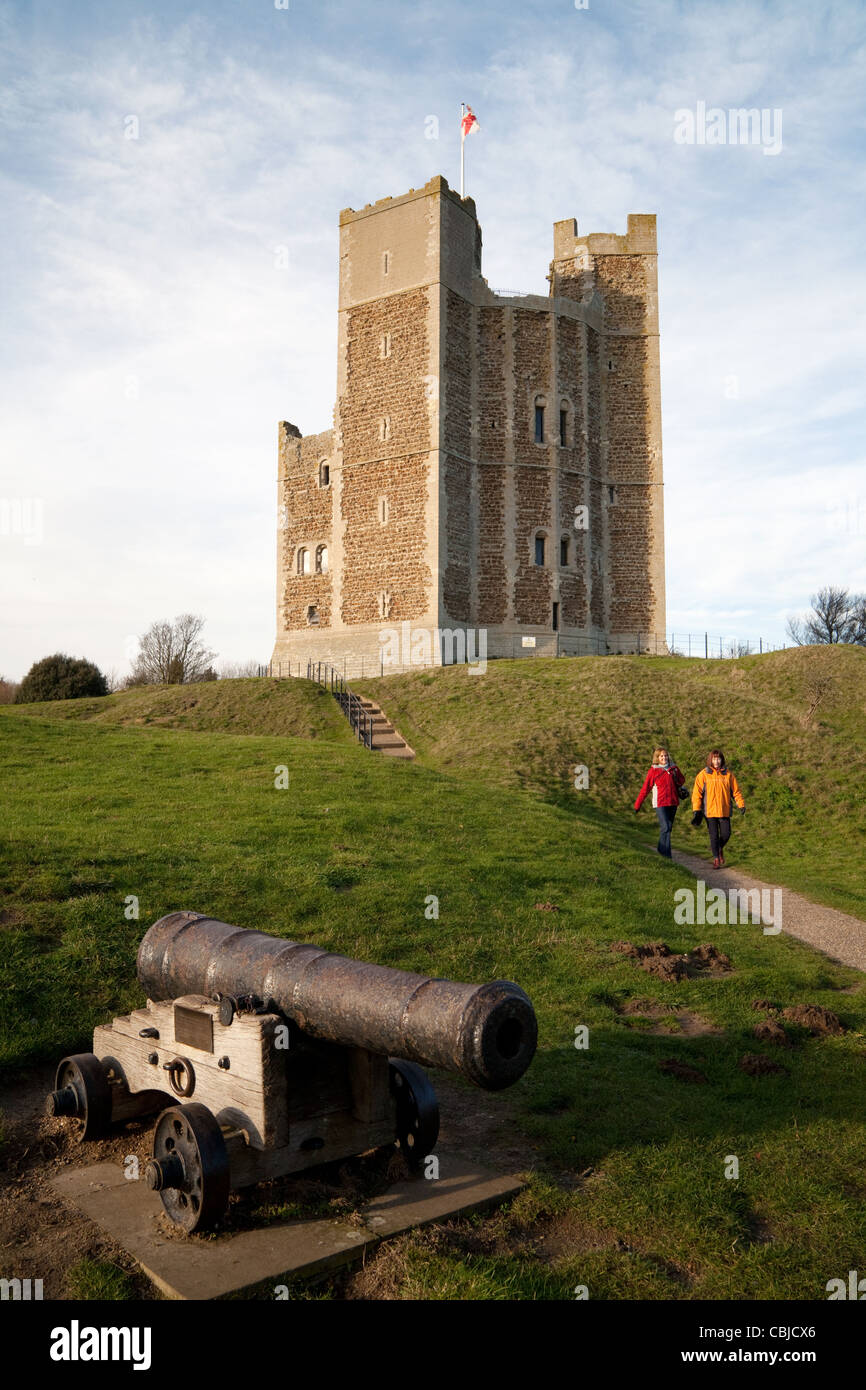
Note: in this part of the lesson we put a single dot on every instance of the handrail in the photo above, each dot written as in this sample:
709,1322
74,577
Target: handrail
350,703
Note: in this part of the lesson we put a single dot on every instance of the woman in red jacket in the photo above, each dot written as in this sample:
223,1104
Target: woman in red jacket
664,779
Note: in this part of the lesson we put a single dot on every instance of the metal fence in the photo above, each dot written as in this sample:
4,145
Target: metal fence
704,646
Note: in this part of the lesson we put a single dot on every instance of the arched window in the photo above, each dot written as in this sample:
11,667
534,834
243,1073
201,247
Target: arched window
563,550
321,559
540,540
324,474
303,560
563,424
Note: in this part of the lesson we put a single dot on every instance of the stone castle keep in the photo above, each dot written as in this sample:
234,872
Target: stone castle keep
495,466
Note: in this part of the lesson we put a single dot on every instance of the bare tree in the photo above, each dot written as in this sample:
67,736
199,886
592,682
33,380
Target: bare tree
820,690
238,670
171,653
836,616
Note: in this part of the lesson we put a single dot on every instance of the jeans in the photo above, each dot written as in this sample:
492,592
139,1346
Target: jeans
720,833
666,824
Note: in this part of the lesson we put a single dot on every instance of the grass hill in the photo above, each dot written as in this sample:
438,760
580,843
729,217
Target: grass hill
267,706
529,723
627,1150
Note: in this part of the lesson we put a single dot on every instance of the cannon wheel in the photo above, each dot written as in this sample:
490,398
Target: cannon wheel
190,1166
417,1111
81,1091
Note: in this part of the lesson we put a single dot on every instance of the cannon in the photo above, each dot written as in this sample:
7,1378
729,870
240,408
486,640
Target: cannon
284,1055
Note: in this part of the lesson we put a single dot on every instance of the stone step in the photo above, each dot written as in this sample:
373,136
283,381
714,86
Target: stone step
388,740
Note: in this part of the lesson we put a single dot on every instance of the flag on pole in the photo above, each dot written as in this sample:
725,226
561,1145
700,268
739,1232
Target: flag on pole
468,123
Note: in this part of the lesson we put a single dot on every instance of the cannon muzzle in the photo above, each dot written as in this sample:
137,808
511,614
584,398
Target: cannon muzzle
486,1032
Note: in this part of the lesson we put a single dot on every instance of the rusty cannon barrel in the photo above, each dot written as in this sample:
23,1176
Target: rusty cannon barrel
486,1032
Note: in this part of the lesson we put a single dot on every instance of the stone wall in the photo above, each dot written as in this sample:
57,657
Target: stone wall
435,418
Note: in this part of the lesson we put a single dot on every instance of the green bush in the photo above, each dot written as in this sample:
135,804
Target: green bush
60,677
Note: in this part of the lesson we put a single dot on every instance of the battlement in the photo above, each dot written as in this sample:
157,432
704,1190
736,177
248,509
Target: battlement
438,184
639,240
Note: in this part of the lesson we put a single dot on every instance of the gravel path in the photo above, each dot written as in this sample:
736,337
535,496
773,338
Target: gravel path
838,935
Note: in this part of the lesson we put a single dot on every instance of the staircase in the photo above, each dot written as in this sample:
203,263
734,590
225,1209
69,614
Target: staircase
384,736
371,724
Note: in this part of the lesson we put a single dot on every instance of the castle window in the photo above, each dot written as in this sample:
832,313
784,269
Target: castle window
324,474
386,262
321,559
556,617
539,423
563,551
611,494
563,426
303,561
385,345
539,550
313,616
383,511
385,428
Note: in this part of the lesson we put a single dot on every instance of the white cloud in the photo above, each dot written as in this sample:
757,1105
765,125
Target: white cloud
147,266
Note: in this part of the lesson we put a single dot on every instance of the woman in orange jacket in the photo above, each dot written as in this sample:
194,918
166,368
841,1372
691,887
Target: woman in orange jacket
714,790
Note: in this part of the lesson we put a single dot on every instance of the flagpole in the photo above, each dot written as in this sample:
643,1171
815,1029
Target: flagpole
462,144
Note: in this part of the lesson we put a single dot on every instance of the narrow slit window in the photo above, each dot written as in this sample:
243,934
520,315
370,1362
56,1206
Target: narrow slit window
322,559
539,424
556,617
563,427
563,551
539,550
303,561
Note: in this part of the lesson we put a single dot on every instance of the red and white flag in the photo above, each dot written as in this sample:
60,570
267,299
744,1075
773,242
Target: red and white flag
468,123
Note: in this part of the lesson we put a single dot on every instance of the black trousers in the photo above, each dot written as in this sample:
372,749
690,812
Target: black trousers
720,833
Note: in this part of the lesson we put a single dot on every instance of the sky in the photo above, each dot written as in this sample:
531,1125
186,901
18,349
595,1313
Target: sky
172,177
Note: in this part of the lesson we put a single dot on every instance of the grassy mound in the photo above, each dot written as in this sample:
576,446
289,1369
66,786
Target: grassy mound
268,706
530,723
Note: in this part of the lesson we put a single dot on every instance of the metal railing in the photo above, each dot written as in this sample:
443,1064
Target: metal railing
351,704
704,646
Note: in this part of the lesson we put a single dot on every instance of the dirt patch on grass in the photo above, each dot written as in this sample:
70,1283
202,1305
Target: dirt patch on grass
667,1018
820,1022
657,958
772,1032
681,1071
753,1064
41,1236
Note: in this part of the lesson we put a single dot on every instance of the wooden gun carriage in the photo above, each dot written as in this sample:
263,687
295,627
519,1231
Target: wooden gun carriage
284,1056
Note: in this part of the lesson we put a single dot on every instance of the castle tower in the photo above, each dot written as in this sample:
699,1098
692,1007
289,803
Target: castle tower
495,461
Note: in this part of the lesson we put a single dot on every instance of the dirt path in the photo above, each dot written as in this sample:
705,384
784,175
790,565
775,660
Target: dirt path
837,934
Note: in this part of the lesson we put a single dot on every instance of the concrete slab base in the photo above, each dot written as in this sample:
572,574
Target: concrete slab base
199,1267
